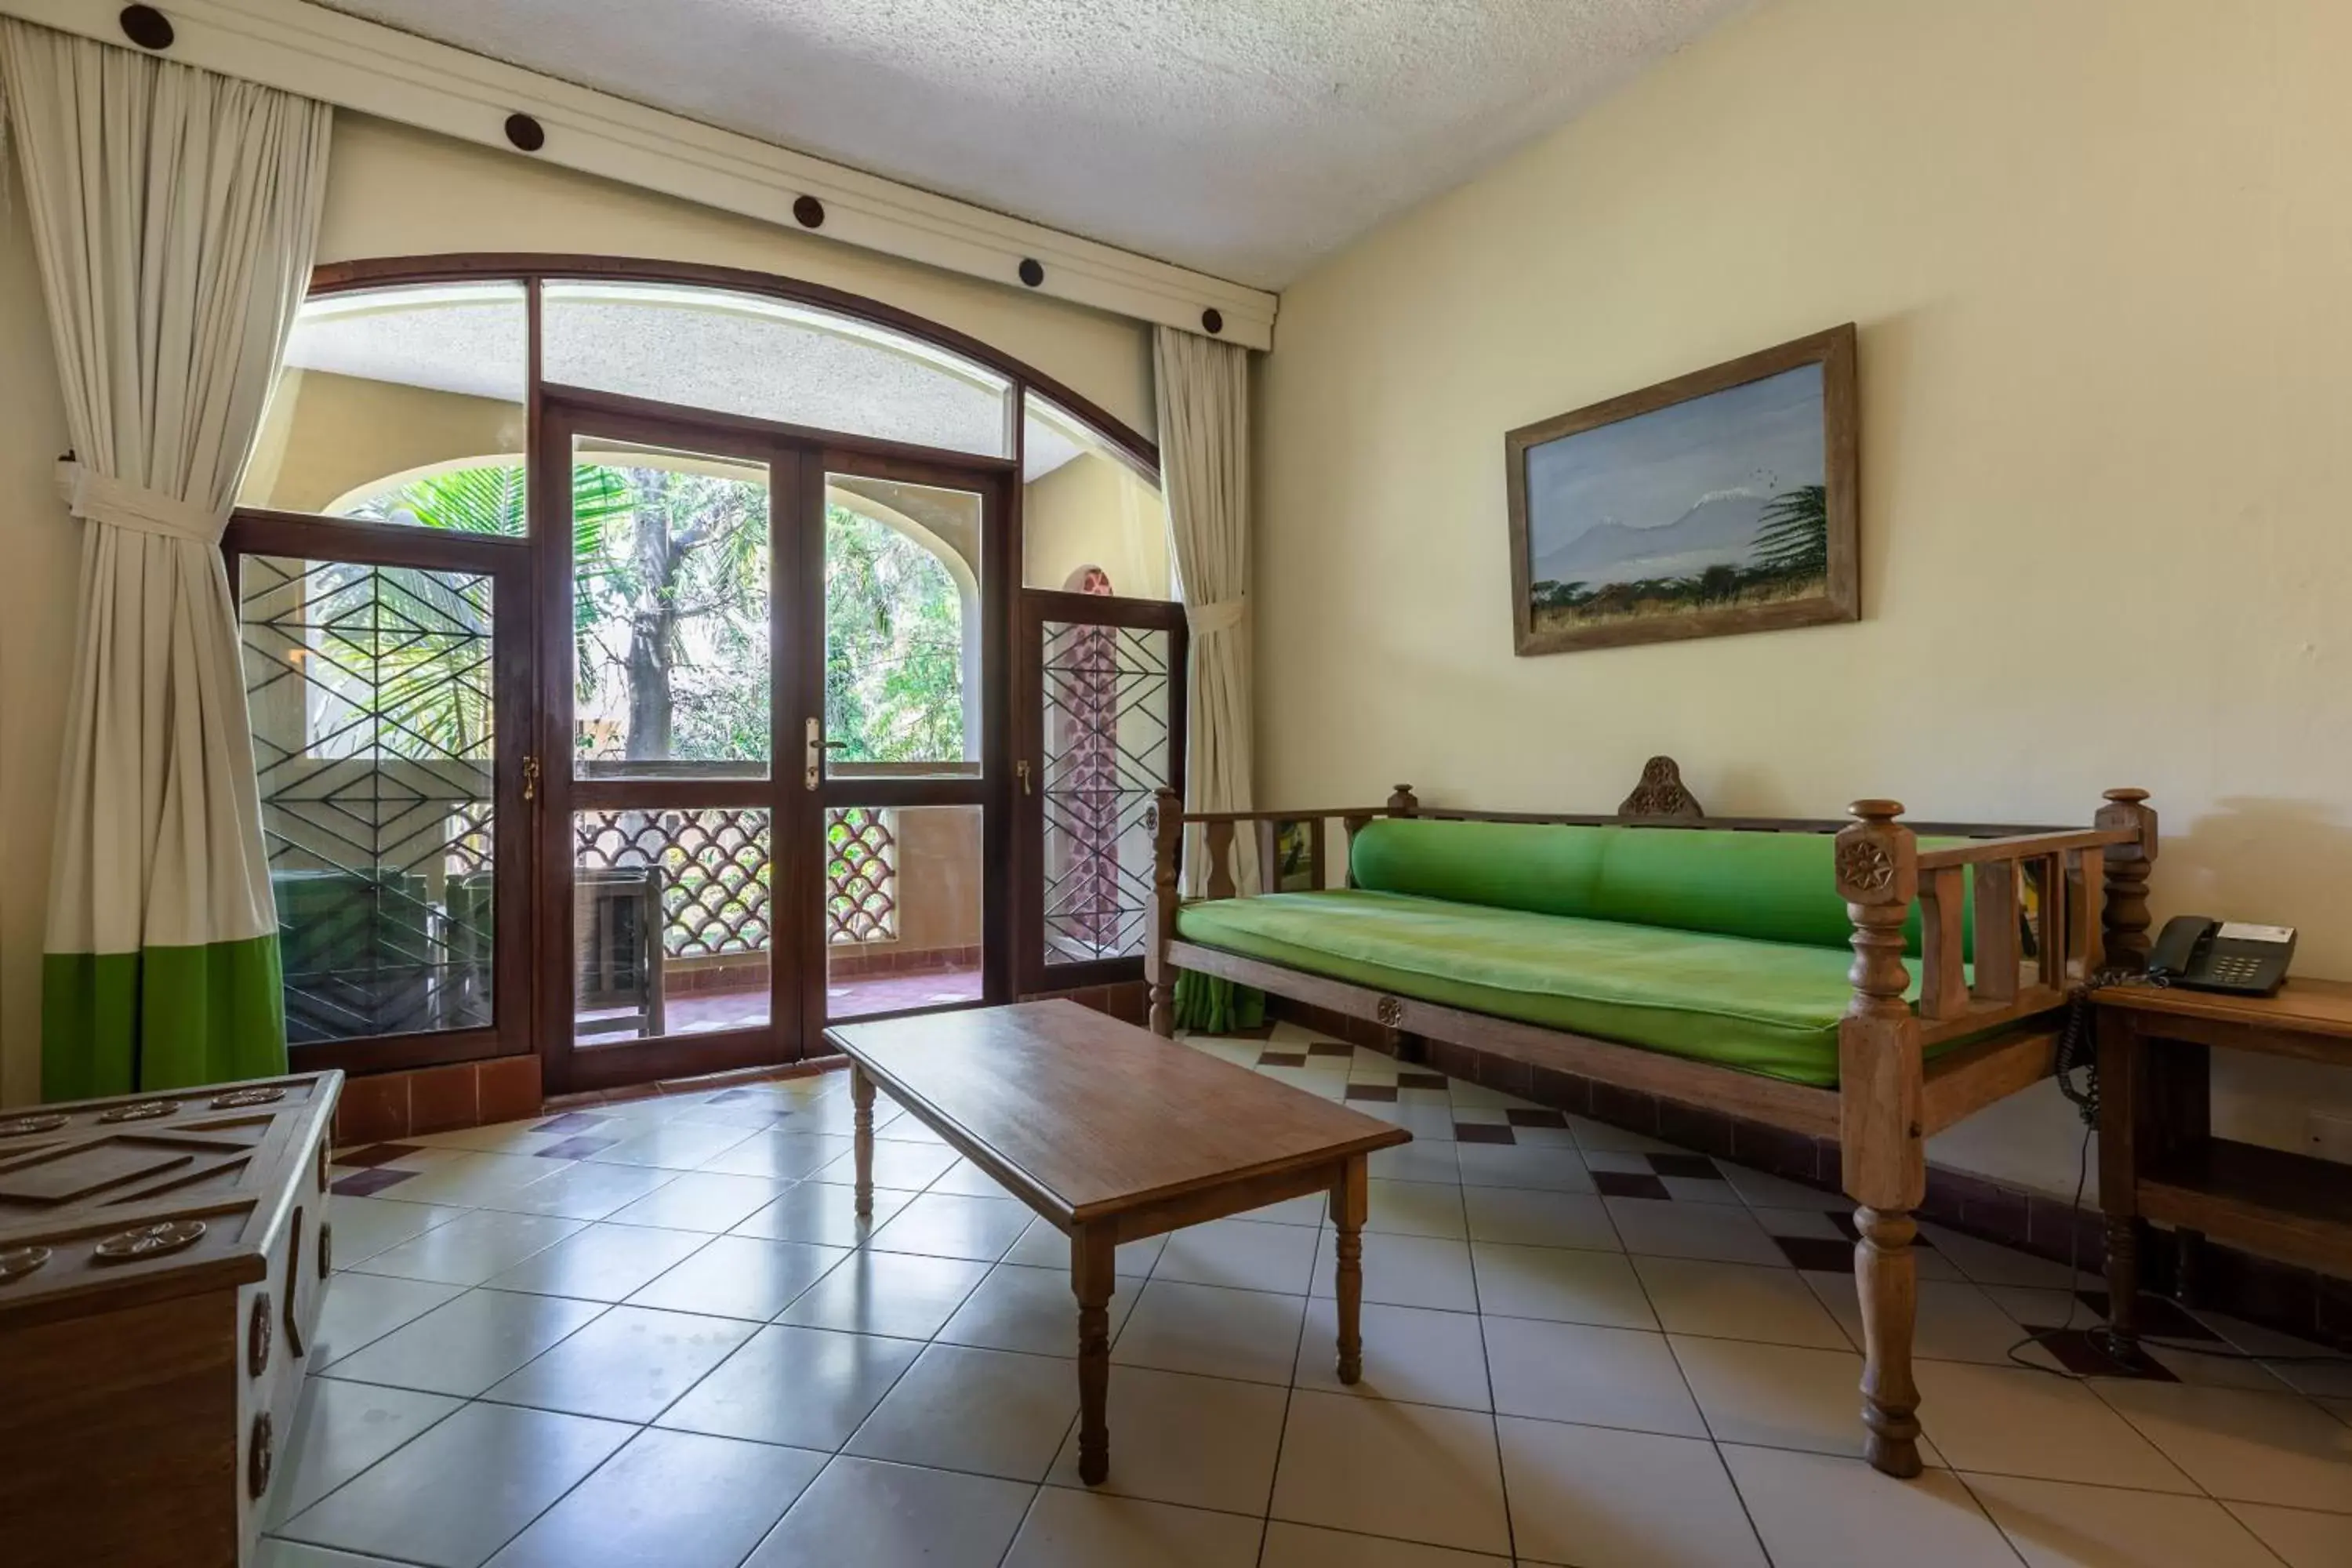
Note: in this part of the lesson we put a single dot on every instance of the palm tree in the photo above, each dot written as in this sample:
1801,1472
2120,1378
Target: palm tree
1793,539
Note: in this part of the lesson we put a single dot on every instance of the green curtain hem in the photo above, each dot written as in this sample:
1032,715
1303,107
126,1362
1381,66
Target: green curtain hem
164,1017
1206,1005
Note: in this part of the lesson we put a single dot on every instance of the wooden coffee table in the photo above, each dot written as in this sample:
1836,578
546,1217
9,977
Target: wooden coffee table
1114,1135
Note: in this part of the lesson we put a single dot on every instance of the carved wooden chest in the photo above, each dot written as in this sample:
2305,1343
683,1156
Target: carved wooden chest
161,1263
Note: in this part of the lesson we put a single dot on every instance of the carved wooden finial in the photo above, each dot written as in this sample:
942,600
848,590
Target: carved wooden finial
1403,802
2123,913
1661,792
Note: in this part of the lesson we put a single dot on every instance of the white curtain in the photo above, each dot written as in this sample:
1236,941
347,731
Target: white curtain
1204,470
172,214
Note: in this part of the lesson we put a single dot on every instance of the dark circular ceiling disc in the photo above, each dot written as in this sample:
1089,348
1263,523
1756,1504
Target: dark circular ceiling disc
808,212
1213,321
1032,272
146,26
525,132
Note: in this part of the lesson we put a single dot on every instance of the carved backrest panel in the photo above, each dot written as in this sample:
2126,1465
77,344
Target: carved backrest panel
1661,792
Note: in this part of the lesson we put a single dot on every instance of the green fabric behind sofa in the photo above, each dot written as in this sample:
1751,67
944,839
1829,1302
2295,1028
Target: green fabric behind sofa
1723,946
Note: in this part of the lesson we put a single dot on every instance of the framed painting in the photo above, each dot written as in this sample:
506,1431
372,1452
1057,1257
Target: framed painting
1720,501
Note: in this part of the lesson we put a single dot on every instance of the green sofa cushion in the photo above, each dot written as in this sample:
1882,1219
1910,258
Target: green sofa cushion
1768,1007
1768,886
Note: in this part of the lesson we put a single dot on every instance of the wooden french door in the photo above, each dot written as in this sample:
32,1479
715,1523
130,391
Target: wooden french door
753,817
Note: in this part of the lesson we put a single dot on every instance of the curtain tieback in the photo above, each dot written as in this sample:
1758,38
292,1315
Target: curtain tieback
92,495
1217,615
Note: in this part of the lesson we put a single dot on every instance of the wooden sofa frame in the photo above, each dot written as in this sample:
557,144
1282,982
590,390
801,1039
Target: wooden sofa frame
1890,1099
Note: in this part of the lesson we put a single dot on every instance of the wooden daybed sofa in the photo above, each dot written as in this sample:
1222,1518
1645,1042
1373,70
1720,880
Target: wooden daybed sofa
1701,961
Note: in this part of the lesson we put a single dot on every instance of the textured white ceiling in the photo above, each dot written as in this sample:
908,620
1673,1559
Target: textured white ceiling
1245,138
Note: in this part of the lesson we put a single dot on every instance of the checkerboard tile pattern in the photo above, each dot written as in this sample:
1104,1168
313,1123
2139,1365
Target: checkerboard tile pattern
654,1332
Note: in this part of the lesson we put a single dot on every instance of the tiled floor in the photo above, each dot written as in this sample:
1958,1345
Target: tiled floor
846,996
655,1333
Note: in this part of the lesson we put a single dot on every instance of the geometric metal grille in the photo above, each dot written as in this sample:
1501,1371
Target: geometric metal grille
713,866
861,876
370,692
1107,727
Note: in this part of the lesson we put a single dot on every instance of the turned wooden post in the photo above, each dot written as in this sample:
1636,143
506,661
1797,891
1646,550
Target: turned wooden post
1165,823
2123,916
1403,802
1880,1096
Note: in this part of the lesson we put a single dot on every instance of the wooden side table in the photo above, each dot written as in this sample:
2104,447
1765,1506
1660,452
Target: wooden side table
2158,1159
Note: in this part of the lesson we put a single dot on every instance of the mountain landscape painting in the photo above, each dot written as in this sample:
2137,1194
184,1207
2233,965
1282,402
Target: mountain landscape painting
1719,502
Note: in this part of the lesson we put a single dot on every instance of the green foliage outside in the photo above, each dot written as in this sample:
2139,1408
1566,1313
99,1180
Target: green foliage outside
1789,558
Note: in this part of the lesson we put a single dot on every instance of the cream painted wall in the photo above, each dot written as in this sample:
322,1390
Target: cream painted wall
2101,255
325,435
394,192
1094,510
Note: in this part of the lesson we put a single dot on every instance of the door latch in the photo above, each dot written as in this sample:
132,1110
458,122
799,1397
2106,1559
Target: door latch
1021,772
815,759
531,778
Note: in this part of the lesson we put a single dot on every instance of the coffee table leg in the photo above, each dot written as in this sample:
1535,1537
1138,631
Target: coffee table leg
861,1097
1093,1251
1347,1210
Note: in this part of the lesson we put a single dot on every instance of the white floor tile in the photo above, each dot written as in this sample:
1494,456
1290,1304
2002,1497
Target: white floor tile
1034,1311
2007,1420
366,1226
468,1343
1414,1208
899,1165
967,1180
470,1249
2058,1524
673,1145
1551,1170
1567,1285
361,1309
949,1225
808,1388
740,1276
1776,1396
339,1429
702,1200
627,1365
1404,1271
992,1413
2242,1445
1415,1472
1043,1246
678,1500
1834,1511
1409,1353
486,1471
1213,1332
821,1213
1523,1218
899,1517
1202,1442
1416,1162
471,1178
1243,1254
1621,1499
1659,1227
1602,1377
2302,1538
581,1190
899,1293
1737,1301
1987,1263
602,1263
780,1155
1958,1322
1304,1546
1069,1528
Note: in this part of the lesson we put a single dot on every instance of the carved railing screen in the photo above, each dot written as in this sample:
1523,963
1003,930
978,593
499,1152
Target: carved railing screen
370,692
714,873
1107,724
861,876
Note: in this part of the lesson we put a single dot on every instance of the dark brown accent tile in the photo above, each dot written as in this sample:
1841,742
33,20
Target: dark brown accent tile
1564,1091
1483,1132
1385,1093
1628,1184
2159,1315
366,1183
1627,1108
375,1154
372,1109
2085,1354
1330,1049
1843,1220
1521,1116
1817,1252
508,1089
1698,1167
442,1098
1693,1126
576,1148
571,1122
1282,1059
1421,1080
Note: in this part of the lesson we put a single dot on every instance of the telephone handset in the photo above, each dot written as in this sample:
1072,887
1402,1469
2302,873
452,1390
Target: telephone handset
2221,955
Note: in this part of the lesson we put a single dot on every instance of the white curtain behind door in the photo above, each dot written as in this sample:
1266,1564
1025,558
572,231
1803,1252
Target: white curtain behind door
172,214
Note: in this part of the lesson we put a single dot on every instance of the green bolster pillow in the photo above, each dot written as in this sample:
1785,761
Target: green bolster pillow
1767,886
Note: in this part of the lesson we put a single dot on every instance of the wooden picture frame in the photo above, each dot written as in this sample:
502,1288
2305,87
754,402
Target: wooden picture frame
1564,627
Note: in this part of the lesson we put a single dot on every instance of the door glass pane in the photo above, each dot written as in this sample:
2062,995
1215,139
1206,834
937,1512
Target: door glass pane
670,928
670,613
902,629
771,359
404,405
373,730
902,908
1106,728
1091,522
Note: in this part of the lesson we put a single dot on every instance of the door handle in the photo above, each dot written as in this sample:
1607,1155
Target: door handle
1021,772
531,778
814,760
